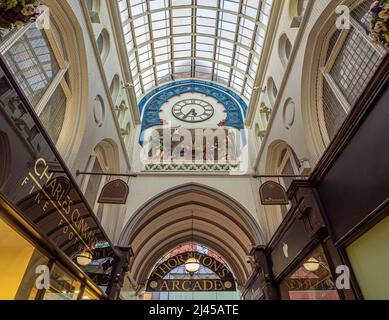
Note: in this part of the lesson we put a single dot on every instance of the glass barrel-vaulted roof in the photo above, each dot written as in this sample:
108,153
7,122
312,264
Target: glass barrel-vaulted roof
215,40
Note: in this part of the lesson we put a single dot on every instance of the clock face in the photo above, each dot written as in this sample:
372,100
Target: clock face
193,110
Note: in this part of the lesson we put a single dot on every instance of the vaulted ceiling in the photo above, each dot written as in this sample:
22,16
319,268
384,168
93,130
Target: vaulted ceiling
215,40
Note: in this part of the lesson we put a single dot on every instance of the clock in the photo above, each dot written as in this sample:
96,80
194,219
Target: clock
193,110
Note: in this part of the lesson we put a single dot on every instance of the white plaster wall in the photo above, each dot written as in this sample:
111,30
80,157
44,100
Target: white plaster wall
294,135
292,80
242,189
99,80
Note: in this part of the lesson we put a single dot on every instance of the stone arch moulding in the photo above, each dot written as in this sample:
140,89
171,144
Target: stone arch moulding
322,29
108,149
165,221
71,136
274,151
127,230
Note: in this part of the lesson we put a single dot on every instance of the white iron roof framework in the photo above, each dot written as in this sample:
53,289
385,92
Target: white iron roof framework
214,40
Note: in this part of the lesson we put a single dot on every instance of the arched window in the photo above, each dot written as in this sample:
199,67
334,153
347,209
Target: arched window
115,87
103,44
104,158
272,91
288,164
283,161
39,62
348,64
203,272
284,49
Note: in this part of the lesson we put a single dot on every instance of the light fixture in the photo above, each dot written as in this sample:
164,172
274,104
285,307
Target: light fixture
192,265
84,258
312,265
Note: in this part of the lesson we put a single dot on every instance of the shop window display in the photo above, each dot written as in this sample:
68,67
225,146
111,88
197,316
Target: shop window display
312,280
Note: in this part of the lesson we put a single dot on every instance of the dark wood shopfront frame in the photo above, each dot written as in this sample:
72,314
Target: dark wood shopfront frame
307,205
23,225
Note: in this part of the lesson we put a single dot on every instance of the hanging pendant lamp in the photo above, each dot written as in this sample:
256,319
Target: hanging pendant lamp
192,265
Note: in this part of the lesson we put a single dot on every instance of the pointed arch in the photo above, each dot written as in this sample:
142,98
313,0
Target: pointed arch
191,212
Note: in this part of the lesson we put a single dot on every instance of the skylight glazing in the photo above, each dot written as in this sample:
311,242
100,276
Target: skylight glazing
214,40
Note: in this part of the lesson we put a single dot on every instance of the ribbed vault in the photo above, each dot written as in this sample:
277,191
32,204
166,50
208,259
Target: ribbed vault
167,220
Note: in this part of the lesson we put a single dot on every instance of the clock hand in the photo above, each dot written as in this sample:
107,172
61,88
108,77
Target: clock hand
193,112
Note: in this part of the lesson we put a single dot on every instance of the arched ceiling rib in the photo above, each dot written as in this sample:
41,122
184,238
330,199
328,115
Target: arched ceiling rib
216,40
190,213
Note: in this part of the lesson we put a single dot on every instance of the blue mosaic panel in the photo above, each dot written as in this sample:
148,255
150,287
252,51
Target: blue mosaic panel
151,104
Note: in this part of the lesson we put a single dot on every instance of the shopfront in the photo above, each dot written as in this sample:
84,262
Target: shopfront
358,216
48,233
338,226
301,254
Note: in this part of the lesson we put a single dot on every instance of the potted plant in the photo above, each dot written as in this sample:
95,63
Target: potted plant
15,13
379,22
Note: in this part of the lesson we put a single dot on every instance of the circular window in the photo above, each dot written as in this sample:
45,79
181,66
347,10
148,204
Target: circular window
289,113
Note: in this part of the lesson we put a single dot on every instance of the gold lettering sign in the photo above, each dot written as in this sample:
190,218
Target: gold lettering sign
195,285
51,199
157,281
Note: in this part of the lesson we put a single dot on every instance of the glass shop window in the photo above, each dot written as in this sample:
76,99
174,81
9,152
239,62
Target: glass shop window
18,262
312,280
62,286
89,295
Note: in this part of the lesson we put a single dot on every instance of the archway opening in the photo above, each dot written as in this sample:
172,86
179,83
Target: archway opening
171,279
190,213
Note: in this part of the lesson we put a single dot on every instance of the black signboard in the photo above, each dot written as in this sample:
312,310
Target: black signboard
37,181
158,282
347,207
294,240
